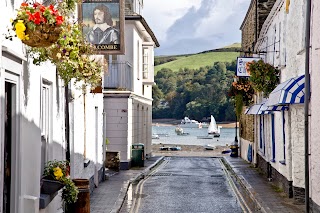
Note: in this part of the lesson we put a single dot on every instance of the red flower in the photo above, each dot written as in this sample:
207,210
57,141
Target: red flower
42,8
59,20
37,18
24,4
35,5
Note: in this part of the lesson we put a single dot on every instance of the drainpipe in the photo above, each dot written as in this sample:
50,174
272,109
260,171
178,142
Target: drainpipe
256,30
306,104
67,120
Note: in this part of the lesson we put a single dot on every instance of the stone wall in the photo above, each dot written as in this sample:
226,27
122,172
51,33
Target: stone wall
249,27
277,179
246,126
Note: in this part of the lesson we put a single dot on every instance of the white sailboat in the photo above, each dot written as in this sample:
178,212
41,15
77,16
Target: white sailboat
213,129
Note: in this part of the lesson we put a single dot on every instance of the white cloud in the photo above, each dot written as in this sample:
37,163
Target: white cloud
161,14
190,26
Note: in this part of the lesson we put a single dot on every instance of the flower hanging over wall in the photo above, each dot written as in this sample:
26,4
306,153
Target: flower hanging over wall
242,86
36,24
263,76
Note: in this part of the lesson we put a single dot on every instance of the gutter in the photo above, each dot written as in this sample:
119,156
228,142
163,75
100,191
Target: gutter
306,104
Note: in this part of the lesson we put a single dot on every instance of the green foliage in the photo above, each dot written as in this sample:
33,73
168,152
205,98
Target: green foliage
196,93
59,170
244,88
263,76
163,60
198,60
239,104
157,95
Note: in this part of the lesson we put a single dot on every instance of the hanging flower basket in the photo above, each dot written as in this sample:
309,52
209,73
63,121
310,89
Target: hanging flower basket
37,25
43,36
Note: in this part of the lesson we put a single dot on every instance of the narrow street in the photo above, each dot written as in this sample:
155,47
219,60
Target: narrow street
184,184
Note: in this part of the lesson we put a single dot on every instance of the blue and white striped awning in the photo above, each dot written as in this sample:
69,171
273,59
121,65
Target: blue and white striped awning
277,108
253,110
288,92
262,109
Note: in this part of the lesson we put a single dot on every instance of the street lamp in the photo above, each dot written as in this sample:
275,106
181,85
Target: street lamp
235,79
234,147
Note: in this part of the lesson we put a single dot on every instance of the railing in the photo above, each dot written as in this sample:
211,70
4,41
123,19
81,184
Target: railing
119,76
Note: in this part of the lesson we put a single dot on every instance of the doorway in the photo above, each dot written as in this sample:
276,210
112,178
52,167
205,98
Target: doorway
8,141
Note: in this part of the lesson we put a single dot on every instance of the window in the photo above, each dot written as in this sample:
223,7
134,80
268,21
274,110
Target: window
145,63
261,133
45,122
283,138
273,139
138,60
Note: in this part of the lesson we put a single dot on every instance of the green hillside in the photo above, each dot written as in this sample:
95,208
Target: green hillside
207,58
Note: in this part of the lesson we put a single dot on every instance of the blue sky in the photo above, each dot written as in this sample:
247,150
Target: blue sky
192,26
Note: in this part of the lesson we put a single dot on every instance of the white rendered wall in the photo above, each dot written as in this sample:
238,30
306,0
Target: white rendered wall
118,126
244,149
314,105
288,31
87,132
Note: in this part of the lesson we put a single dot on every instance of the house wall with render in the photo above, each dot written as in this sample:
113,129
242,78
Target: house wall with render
87,136
314,109
30,81
281,41
129,113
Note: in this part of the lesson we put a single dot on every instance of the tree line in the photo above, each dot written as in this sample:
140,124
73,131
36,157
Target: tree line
196,93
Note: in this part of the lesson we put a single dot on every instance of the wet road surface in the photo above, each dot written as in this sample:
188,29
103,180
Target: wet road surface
183,184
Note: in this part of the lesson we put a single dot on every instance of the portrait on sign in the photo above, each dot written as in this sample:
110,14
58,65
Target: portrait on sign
103,25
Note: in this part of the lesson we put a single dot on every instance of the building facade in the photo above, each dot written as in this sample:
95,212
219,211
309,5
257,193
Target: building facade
128,88
279,120
33,126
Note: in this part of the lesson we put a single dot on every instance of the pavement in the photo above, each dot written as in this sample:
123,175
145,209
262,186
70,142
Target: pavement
110,194
259,194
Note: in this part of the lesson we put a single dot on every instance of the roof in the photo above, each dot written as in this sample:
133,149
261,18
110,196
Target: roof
137,17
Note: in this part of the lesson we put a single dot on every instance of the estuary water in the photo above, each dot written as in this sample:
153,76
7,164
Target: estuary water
168,135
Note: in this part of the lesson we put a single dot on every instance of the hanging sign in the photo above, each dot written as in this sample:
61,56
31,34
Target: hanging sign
242,66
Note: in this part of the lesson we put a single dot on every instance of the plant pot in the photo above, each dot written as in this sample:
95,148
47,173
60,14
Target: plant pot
43,36
50,186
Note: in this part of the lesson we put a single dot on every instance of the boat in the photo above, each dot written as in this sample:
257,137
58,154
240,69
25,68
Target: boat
205,137
213,129
209,147
180,131
155,136
163,135
176,148
188,123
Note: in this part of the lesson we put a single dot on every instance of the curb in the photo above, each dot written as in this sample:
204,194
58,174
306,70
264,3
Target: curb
248,188
123,193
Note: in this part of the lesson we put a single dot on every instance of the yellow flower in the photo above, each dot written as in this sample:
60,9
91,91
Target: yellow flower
20,27
57,172
21,35
11,20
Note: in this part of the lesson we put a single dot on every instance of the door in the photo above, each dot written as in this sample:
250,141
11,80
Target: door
8,132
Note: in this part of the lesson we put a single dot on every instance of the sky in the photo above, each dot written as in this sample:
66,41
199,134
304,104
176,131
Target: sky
192,26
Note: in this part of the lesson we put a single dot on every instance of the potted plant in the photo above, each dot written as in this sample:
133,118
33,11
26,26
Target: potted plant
263,76
58,171
37,25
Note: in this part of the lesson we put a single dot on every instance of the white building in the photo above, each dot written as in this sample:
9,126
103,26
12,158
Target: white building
279,118
128,88
32,126
314,109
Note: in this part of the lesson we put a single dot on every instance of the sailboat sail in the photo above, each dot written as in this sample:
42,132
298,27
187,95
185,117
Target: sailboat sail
213,128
